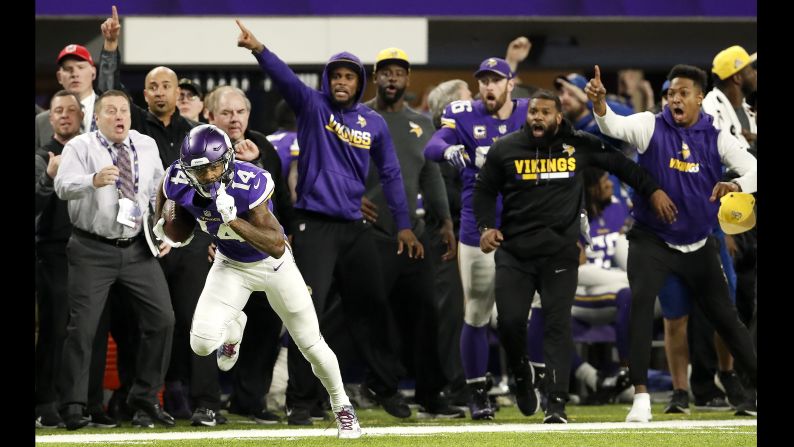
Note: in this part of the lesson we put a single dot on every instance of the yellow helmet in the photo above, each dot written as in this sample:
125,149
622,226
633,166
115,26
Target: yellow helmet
392,55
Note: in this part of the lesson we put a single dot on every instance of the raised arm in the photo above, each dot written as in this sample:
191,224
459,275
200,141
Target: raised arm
295,92
636,129
109,76
517,51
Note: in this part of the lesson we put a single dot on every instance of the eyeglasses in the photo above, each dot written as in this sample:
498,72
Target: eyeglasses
187,96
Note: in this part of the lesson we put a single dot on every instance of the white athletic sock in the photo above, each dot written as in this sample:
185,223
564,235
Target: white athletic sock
642,396
234,331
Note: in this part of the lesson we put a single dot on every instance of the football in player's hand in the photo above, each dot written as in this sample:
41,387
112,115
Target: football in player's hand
179,223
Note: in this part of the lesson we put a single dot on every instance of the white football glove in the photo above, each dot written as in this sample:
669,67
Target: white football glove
160,233
225,204
456,156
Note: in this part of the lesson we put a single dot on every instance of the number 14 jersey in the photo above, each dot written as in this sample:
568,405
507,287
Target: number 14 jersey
250,187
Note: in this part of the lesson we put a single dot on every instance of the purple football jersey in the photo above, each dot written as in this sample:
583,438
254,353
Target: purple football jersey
250,187
286,144
477,130
604,231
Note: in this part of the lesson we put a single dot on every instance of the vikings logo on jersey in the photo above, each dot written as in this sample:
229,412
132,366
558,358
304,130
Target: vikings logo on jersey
415,129
684,166
251,186
685,150
354,137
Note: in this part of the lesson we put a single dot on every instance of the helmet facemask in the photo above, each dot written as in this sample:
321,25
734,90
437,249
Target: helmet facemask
207,147
209,190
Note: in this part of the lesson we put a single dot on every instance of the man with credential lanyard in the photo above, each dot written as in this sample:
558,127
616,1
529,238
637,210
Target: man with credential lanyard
109,177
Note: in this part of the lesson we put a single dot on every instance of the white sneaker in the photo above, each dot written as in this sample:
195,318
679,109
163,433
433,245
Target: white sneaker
640,409
347,423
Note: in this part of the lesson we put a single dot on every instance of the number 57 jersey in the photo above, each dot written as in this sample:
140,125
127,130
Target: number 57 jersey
250,187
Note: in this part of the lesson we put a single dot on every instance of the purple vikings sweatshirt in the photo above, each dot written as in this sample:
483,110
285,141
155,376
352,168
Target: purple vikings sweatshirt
335,145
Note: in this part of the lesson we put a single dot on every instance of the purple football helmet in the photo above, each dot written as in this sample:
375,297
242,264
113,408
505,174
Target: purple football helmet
206,147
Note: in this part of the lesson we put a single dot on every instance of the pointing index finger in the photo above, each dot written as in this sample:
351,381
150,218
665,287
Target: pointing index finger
597,73
115,14
242,27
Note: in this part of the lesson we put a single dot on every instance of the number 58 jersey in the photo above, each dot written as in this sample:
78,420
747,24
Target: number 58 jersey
250,187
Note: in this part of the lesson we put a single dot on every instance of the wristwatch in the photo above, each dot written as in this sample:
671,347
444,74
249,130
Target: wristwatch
483,229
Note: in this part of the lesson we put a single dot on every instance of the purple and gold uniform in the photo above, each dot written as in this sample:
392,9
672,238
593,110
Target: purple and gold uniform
468,123
251,186
604,232
286,144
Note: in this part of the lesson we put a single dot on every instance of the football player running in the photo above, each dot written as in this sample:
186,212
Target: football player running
231,201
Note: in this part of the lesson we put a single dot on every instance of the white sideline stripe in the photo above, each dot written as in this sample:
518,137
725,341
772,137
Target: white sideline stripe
408,431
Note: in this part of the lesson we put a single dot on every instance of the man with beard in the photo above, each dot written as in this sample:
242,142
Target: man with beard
535,171
332,244
733,84
686,153
727,103
468,128
409,282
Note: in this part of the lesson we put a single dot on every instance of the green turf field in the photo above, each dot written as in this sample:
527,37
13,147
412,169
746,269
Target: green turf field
589,427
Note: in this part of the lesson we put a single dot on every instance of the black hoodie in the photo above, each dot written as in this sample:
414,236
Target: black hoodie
542,196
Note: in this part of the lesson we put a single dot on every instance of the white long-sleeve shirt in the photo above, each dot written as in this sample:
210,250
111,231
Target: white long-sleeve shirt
95,209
